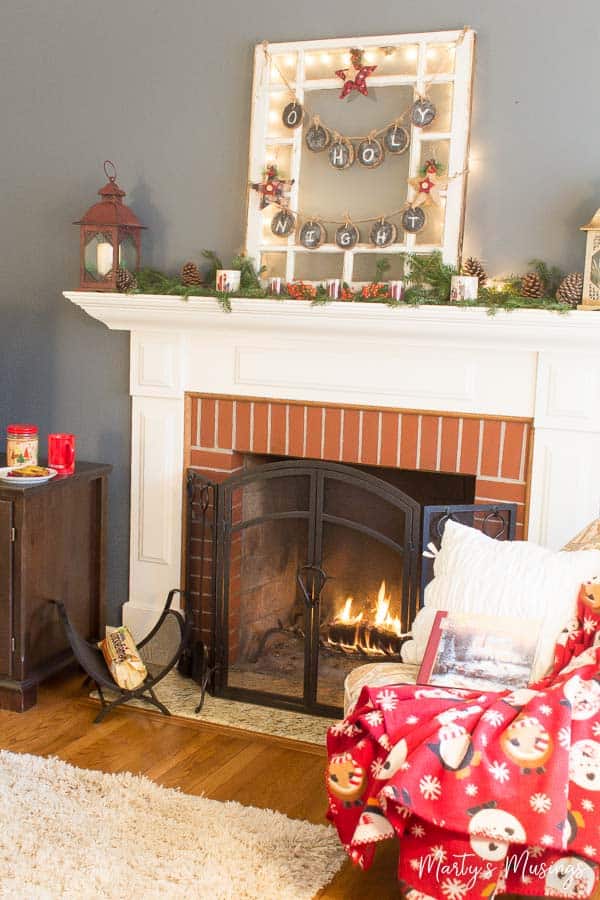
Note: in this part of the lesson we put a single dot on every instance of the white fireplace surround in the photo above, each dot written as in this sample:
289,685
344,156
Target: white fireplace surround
527,363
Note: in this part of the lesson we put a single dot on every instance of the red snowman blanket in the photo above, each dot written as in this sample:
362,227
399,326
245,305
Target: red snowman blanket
487,792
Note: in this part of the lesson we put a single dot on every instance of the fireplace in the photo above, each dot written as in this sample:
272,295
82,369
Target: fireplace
300,570
510,400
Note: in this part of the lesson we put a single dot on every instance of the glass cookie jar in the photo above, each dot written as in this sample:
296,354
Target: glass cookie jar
22,445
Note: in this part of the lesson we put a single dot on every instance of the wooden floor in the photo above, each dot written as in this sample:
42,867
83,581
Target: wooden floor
220,763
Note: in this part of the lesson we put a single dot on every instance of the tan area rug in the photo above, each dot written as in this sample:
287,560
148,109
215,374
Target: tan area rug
180,695
72,833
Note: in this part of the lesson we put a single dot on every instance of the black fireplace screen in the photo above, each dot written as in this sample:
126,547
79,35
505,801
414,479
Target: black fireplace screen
301,570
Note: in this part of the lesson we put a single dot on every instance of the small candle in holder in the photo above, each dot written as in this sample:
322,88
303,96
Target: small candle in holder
396,290
464,287
333,288
275,286
228,280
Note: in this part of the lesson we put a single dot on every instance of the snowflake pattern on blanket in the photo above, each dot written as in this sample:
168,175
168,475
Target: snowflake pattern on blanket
487,792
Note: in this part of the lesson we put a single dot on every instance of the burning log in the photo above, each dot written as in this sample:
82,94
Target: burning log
380,640
343,633
365,638
379,634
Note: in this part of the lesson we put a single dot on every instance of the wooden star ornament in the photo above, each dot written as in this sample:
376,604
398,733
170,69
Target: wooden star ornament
272,188
359,82
428,184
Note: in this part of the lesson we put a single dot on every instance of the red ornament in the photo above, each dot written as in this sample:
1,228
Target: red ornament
272,187
375,290
358,83
300,290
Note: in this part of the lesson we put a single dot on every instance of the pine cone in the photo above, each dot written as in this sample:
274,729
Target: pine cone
190,274
126,281
570,289
474,268
532,286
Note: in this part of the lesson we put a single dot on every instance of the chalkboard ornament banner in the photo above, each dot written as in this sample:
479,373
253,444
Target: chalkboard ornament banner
346,236
341,154
383,233
317,137
423,112
312,234
293,114
413,219
283,223
396,139
370,153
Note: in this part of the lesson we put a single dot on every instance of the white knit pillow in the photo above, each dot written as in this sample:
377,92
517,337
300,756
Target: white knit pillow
475,573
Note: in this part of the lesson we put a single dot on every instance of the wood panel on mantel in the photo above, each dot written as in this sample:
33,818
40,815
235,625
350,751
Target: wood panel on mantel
218,762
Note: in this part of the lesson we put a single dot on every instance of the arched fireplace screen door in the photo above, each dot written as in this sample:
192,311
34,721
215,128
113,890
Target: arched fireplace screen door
312,569
298,571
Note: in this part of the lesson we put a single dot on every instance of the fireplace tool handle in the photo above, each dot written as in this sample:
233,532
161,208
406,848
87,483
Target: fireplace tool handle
313,585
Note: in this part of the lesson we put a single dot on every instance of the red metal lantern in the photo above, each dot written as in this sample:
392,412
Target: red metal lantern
109,232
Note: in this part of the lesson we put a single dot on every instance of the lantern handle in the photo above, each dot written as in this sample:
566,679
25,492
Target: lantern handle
108,168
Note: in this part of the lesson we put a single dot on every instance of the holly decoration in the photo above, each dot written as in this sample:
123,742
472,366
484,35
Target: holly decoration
359,82
428,184
272,187
375,291
301,290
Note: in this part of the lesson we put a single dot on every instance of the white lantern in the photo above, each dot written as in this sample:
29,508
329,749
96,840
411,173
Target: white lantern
591,272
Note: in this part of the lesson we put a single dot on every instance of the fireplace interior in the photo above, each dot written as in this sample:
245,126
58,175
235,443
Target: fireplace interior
309,569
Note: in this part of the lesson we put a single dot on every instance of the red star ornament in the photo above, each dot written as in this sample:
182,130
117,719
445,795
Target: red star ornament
358,83
272,187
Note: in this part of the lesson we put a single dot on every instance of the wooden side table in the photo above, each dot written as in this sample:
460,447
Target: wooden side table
52,546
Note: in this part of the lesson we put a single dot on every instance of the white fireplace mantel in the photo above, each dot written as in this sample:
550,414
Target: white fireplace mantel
526,363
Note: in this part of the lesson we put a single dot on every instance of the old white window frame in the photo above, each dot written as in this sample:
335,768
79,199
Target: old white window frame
458,136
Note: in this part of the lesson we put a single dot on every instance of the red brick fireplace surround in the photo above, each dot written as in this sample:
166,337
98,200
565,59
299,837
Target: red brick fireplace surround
497,451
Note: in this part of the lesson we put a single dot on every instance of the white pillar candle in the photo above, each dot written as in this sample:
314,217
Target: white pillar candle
104,258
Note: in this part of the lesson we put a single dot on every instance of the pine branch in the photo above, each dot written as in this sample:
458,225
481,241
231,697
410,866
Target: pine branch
382,264
215,263
551,275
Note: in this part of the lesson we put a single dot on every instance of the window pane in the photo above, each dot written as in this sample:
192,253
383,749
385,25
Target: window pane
317,266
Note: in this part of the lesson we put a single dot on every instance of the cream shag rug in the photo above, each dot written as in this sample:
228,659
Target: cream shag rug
71,833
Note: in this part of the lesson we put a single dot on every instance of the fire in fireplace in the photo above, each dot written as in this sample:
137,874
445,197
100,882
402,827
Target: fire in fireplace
300,570
366,627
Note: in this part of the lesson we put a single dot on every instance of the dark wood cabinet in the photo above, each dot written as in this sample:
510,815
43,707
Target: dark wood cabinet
52,540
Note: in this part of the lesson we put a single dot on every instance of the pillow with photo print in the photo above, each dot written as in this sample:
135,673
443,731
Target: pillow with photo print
475,573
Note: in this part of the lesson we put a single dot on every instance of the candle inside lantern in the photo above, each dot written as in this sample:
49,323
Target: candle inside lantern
275,286
104,258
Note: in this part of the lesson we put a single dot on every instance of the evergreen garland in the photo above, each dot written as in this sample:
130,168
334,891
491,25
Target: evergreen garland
429,280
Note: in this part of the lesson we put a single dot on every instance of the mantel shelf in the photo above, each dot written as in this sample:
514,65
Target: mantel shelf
527,365
534,329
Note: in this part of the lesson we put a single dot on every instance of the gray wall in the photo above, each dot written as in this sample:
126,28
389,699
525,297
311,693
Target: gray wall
163,89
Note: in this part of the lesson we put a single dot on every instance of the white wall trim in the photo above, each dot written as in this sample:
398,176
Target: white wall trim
527,364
